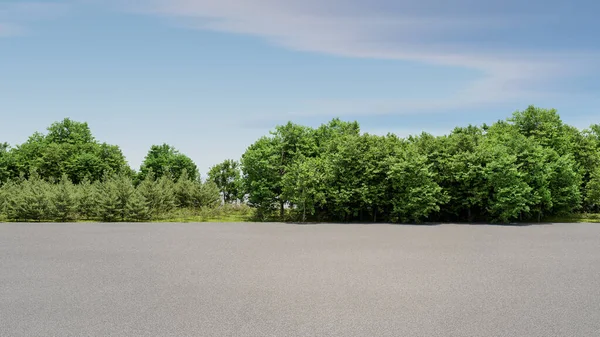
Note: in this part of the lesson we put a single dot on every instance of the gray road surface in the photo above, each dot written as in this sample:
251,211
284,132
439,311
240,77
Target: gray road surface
299,280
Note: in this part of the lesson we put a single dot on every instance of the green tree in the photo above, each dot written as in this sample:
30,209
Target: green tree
261,175
30,200
185,190
509,192
376,190
26,156
89,199
195,194
109,206
70,132
586,154
65,200
545,126
564,184
87,165
68,148
115,193
227,177
206,194
346,189
5,163
553,180
158,193
416,194
166,160
290,142
593,191
137,207
458,162
7,190
304,185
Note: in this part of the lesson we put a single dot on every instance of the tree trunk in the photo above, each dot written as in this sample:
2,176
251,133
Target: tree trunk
281,209
304,211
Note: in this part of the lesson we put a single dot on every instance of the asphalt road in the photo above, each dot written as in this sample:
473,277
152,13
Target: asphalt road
299,280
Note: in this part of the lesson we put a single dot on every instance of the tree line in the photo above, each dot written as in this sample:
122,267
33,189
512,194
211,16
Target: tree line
66,174
526,168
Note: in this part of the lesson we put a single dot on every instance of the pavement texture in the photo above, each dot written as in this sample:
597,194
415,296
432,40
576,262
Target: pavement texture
253,279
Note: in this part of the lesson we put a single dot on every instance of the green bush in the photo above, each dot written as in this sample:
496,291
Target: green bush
29,199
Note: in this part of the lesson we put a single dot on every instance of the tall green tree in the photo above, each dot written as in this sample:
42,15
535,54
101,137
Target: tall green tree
510,194
461,171
346,189
262,176
416,193
305,185
227,177
376,191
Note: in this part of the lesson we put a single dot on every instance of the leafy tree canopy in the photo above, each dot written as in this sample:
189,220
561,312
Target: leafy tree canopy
227,177
166,160
67,149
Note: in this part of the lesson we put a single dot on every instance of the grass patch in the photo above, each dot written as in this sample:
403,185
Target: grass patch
583,217
224,213
244,213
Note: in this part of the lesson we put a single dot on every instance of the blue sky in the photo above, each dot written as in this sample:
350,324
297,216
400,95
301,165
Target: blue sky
210,77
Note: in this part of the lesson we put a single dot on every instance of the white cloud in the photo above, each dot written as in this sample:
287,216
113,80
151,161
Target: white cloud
458,33
441,33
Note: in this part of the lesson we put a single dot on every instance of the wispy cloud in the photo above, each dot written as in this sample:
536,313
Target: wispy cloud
523,50
501,41
17,16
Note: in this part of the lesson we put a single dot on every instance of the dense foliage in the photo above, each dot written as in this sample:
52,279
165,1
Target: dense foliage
67,175
68,148
227,177
115,198
166,160
528,167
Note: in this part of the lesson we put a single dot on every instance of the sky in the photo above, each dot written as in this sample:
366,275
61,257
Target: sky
212,76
